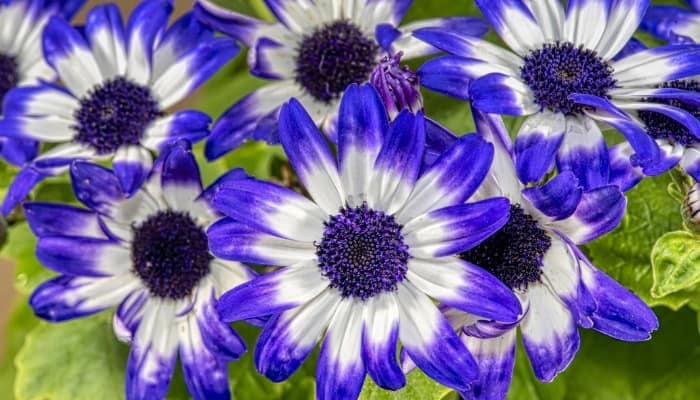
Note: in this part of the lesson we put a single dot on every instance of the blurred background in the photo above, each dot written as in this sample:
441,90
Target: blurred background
7,294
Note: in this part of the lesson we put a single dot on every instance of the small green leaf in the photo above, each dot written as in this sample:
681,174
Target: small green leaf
418,387
675,261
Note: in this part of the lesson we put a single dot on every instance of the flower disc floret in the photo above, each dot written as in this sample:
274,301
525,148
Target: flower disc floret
513,254
362,252
9,74
660,126
559,70
332,57
114,114
170,254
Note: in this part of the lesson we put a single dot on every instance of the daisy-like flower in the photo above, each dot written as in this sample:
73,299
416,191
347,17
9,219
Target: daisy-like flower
535,253
119,83
399,89
21,60
562,73
679,143
364,256
149,256
313,53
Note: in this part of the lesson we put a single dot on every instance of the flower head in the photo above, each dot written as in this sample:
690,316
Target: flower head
120,80
398,86
149,256
535,253
362,258
21,62
568,69
313,53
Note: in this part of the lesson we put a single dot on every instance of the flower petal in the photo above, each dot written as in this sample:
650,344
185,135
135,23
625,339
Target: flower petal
430,341
550,335
288,338
464,286
272,293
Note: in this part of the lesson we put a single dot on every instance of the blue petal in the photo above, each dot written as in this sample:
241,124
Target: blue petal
238,26
95,186
46,219
502,94
558,198
23,183
619,312
496,359
19,151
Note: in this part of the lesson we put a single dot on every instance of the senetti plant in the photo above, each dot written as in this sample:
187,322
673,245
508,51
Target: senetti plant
336,199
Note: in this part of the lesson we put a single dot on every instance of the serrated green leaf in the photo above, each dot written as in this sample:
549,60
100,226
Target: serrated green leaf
624,254
418,387
675,261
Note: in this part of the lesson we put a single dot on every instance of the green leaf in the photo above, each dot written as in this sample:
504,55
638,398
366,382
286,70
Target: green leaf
624,253
80,359
675,261
418,387
606,369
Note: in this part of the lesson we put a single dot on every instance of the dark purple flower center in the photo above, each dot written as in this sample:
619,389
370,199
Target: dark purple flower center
332,57
514,253
398,86
9,75
660,126
559,70
362,252
114,114
170,254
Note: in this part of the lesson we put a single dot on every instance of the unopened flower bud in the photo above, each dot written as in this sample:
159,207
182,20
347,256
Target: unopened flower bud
398,86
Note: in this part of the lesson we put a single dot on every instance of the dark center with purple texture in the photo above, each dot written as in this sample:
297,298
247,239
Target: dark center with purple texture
9,75
114,114
513,254
362,252
332,57
660,126
170,254
559,70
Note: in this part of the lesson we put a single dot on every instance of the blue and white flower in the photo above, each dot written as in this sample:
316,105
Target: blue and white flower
564,74
363,257
148,255
679,144
21,59
535,253
119,83
313,53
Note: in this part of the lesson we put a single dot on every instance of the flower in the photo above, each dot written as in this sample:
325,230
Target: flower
564,75
119,83
313,53
21,61
678,142
399,87
535,253
149,255
363,255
